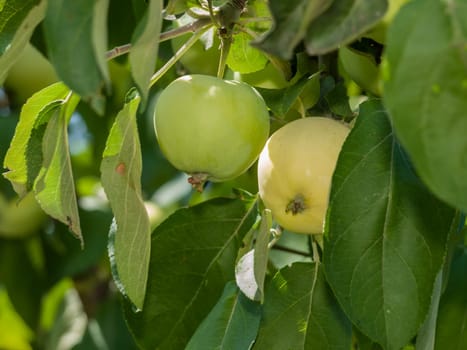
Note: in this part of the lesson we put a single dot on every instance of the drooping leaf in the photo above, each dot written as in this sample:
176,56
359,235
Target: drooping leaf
426,92
76,36
22,165
193,256
451,332
250,271
343,22
145,44
54,186
385,233
300,312
232,323
291,20
243,57
130,234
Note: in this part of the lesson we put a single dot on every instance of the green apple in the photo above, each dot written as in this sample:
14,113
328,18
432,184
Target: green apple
210,128
29,74
268,78
362,69
19,218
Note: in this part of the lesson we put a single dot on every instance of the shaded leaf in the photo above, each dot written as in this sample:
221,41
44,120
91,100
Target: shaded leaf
54,186
76,36
426,91
232,323
383,230
343,22
451,332
281,100
145,44
28,135
291,20
121,168
300,312
427,334
22,277
193,256
18,19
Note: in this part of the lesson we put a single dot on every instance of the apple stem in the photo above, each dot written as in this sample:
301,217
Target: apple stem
197,181
170,34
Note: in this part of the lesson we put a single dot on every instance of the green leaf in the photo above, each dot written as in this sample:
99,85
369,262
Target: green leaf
24,158
385,233
451,332
243,57
178,6
144,48
232,323
19,335
427,334
18,19
281,100
130,235
291,20
54,186
193,256
300,312
250,270
343,22
426,91
23,277
76,36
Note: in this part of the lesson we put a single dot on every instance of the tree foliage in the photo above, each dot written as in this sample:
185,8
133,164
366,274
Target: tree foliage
105,245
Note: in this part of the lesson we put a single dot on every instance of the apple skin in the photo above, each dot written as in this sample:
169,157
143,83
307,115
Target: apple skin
29,74
268,78
206,125
362,69
295,170
20,218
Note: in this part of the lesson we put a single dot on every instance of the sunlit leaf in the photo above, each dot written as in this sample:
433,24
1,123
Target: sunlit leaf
193,256
243,57
232,323
426,92
18,19
385,233
54,185
28,135
300,312
145,45
130,234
